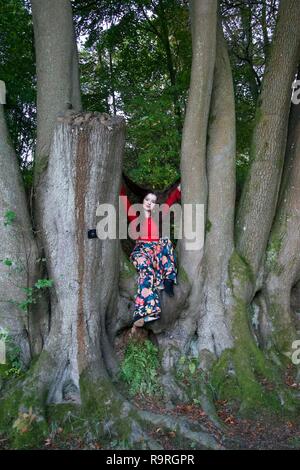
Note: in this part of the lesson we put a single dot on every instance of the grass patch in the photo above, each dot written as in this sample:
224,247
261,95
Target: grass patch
139,368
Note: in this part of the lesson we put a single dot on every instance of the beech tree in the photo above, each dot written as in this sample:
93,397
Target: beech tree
235,307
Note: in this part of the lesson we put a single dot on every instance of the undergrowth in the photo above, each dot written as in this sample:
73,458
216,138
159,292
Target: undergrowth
139,368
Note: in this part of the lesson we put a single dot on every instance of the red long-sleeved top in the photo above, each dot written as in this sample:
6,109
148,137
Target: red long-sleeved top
149,230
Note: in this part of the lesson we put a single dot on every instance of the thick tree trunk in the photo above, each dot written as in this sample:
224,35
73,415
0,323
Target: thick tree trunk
208,310
204,328
76,363
282,264
215,326
175,340
85,150
213,318
17,245
58,89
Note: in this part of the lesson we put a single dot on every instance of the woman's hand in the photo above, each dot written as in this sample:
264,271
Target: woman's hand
179,187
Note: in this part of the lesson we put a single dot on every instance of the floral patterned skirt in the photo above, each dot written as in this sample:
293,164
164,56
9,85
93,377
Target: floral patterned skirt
155,262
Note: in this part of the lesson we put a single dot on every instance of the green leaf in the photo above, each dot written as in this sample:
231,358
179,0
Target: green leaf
192,367
7,262
9,217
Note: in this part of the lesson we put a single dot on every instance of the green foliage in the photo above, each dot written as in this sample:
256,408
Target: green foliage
152,154
32,293
208,226
194,379
187,365
190,374
136,62
139,368
140,68
27,174
7,262
17,65
9,217
273,250
42,283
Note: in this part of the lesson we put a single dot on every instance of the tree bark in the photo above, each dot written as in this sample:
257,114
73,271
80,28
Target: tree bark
259,196
282,260
203,329
57,70
85,150
75,366
214,328
194,138
17,244
58,89
234,306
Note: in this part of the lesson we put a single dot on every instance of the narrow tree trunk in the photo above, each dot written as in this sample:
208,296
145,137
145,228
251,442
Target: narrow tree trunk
193,149
17,245
214,328
180,339
246,17
259,196
265,29
170,64
57,70
112,89
204,327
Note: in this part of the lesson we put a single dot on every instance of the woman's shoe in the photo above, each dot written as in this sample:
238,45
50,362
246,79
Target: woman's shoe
168,283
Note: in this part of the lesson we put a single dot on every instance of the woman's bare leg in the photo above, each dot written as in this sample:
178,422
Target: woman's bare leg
136,326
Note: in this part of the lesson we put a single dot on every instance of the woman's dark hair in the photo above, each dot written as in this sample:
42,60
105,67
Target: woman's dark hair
145,193
138,191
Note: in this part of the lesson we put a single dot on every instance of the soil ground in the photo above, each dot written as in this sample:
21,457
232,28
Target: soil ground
261,433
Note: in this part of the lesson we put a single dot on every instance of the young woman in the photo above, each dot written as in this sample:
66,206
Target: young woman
153,257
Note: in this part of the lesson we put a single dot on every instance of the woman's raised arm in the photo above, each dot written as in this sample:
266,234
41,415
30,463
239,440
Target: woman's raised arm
173,197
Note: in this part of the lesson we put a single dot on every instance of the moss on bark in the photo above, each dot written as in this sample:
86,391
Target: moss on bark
245,373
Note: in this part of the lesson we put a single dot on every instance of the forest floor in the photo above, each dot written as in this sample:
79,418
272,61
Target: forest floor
240,433
264,432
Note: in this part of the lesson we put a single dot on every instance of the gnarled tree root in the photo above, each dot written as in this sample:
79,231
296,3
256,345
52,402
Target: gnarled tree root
103,414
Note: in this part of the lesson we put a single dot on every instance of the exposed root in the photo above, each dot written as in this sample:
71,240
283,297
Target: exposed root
186,429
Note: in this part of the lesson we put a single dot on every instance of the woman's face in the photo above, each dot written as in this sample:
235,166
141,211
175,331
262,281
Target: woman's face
149,202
